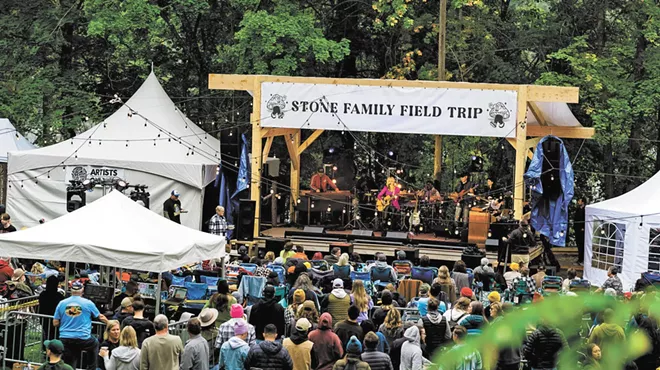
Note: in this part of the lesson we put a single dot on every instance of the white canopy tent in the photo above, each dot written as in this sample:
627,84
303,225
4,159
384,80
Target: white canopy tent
623,232
135,149
114,231
11,140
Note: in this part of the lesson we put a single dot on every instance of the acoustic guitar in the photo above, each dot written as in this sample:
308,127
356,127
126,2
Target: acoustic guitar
383,203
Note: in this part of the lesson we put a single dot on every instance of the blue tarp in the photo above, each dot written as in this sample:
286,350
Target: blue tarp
550,216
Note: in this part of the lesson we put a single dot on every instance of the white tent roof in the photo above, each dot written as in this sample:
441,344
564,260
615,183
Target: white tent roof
643,200
114,231
556,114
9,142
167,158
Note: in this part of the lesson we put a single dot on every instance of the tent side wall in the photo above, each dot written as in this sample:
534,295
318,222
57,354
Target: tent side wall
29,202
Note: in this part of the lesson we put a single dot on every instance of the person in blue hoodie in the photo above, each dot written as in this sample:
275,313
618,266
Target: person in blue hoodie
234,352
475,319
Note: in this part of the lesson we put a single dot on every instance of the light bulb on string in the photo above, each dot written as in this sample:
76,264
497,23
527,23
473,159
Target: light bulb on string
21,183
71,141
145,123
357,217
312,205
17,137
63,168
127,143
389,223
376,213
602,231
231,133
298,200
99,142
343,210
154,142
334,168
272,191
329,209
49,174
456,232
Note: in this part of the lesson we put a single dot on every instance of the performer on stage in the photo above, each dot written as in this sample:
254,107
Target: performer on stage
320,182
389,195
430,193
493,195
463,189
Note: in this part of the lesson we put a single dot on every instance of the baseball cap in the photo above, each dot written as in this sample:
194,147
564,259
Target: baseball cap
236,311
176,193
126,302
338,283
303,324
424,289
55,346
77,285
240,327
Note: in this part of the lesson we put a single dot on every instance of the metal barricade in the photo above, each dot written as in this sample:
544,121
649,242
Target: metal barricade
26,304
23,334
179,329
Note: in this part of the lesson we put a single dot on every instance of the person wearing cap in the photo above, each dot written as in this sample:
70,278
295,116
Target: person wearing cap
337,302
467,293
162,351
422,300
234,352
352,360
493,297
520,240
143,327
226,330
18,287
54,352
512,274
207,320
196,351
327,346
291,312
125,311
269,354
287,252
300,348
267,311
73,316
172,207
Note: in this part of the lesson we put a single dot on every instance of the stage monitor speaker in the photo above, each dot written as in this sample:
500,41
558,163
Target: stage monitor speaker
363,232
412,254
314,229
245,224
396,235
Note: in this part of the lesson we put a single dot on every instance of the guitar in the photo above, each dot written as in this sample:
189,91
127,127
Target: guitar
415,219
383,203
458,197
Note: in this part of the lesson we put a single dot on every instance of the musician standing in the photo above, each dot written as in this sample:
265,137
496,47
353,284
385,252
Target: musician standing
463,188
390,190
320,182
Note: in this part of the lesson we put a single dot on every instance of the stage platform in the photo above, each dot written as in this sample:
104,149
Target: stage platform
439,249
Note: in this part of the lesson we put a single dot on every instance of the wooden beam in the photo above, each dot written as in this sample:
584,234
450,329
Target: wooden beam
536,111
564,132
256,164
294,151
521,153
290,141
437,158
269,144
271,132
309,141
537,93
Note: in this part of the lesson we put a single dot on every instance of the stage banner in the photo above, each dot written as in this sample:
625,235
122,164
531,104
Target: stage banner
82,173
462,112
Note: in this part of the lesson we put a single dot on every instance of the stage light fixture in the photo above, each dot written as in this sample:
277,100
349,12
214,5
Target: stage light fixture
120,184
88,184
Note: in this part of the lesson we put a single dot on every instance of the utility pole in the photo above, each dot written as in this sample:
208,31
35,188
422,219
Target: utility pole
442,31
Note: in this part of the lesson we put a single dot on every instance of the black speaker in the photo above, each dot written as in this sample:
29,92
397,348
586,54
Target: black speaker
396,235
363,232
245,224
75,198
314,229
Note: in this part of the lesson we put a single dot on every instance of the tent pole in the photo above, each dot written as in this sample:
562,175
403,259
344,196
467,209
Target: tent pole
160,281
66,277
257,152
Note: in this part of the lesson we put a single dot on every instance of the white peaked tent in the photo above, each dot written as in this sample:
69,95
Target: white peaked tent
622,231
114,231
130,148
11,140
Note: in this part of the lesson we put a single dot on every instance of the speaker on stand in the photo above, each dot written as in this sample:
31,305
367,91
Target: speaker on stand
245,224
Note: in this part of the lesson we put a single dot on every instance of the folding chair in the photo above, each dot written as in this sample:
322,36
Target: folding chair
252,288
403,268
281,272
249,267
341,272
425,274
196,291
381,276
320,265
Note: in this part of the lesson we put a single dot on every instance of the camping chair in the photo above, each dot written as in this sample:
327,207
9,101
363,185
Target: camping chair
409,288
551,284
425,274
251,267
381,276
252,288
366,279
403,268
181,280
322,279
342,272
281,272
320,265
196,291
470,274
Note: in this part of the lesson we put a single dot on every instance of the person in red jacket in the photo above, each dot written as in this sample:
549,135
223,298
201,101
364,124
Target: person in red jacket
327,346
6,271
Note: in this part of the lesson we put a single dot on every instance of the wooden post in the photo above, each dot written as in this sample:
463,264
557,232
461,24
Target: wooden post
521,153
293,145
437,158
255,173
442,33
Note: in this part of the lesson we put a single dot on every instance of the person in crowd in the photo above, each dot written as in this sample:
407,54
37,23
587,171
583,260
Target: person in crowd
226,330
592,356
530,284
287,252
125,311
131,291
48,301
609,333
437,293
110,339
196,352
294,272
571,275
509,357
578,228
234,352
161,351
318,256
494,311
367,326
143,327
512,274
458,311
305,283
300,253
218,223
172,207
18,286
352,361
648,325
447,283
421,300
402,257
483,268
542,347
493,297
471,361
73,316
327,346
377,360
333,257
361,300
386,304
54,352
398,300
126,356
269,257
222,301
381,264
342,268
269,354
210,334
460,276
337,302
435,326
411,351
349,327
520,240
355,259
308,311
7,227
392,328
291,312
475,319
300,348
612,281
539,276
6,271
467,293
267,311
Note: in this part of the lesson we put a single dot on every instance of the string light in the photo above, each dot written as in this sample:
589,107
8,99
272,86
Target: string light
329,209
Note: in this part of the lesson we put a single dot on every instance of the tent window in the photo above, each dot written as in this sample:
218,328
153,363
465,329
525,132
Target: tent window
654,250
607,245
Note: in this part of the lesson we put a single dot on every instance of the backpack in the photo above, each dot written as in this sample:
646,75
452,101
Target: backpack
579,285
453,324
